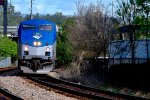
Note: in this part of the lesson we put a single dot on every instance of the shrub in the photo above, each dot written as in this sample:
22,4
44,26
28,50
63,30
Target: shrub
8,48
64,49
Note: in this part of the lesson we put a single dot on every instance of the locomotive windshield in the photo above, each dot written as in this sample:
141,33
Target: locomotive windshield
28,27
45,27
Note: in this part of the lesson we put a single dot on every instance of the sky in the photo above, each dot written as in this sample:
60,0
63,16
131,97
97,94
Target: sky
67,7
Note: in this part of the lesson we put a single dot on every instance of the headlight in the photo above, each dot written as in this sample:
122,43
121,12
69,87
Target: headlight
39,43
35,43
47,49
25,48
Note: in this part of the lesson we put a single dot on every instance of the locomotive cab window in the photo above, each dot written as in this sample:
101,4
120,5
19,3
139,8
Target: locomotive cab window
45,27
28,27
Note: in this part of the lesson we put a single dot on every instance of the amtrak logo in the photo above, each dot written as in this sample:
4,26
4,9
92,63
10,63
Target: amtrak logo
37,35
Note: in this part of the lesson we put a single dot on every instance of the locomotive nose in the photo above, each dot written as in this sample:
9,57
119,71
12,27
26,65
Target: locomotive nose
37,46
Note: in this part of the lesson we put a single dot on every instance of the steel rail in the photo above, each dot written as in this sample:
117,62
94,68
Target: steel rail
81,88
9,94
4,91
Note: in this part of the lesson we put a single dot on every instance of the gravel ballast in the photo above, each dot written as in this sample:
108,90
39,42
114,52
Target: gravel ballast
28,91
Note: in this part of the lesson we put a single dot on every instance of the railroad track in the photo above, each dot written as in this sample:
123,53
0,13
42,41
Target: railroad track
4,93
80,90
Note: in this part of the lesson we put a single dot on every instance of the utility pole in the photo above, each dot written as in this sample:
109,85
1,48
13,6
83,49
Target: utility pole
31,17
112,7
147,44
5,17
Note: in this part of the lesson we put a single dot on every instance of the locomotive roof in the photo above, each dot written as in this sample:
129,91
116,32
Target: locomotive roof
37,21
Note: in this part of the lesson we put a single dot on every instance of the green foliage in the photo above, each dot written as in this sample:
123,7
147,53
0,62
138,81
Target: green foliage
133,11
64,49
8,48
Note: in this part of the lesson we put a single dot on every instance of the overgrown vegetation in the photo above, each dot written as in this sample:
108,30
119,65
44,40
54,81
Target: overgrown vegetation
8,48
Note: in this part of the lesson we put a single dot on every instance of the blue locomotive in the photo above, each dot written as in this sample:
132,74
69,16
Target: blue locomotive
37,46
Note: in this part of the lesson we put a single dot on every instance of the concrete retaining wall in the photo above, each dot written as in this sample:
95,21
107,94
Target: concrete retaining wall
5,62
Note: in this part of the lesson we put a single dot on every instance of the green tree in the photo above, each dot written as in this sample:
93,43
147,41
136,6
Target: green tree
134,11
143,9
64,49
126,11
